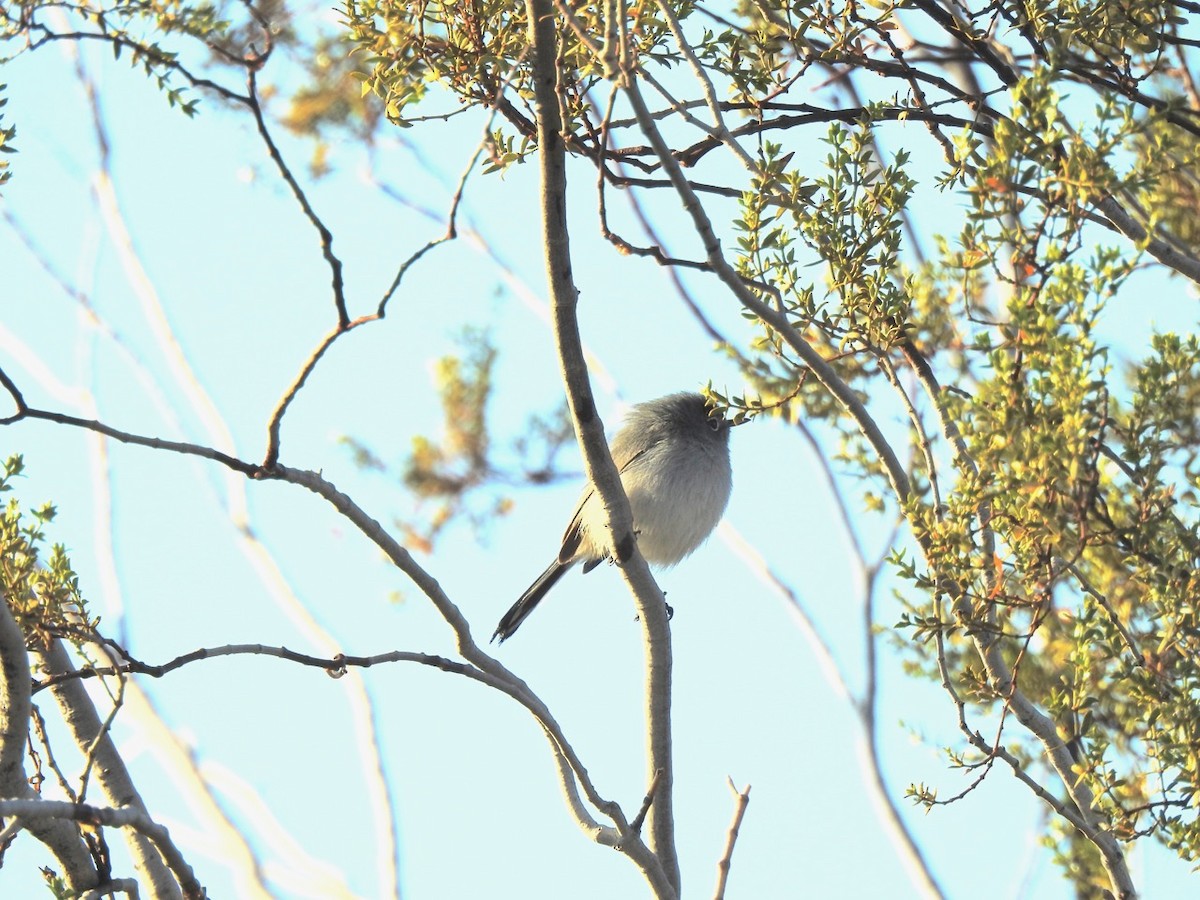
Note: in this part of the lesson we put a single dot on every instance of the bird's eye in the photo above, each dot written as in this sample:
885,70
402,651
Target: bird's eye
715,424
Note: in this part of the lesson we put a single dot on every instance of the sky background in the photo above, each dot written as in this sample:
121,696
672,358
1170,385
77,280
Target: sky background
175,554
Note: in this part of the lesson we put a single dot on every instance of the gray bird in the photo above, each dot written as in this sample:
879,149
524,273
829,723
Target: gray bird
673,456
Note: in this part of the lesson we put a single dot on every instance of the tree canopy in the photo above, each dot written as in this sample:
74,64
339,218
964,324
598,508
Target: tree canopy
917,231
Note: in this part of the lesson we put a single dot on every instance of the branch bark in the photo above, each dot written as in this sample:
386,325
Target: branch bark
80,716
60,838
726,860
61,812
589,429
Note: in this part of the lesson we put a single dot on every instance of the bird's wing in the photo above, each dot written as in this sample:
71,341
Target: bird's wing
573,536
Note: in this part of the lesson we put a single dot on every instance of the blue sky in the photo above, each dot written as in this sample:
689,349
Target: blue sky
227,253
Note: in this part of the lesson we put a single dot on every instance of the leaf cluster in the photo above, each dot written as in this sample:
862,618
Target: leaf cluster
7,135
41,588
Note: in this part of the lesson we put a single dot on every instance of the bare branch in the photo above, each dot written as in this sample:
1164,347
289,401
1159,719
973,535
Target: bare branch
636,823
723,864
62,839
90,733
276,420
496,674
962,32
718,130
125,437
602,474
334,666
335,264
1156,247
499,675
124,817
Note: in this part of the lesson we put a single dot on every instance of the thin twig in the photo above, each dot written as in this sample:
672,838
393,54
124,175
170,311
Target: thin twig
39,729
726,860
28,412
635,824
334,666
119,42
285,172
1130,643
275,423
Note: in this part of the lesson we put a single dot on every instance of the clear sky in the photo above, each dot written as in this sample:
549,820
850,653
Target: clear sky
218,242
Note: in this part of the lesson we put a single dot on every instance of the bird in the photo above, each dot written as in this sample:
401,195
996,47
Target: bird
673,457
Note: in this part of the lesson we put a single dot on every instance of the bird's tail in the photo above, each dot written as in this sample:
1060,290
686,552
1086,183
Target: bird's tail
532,597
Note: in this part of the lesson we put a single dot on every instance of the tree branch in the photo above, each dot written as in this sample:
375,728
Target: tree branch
87,731
821,369
59,837
726,860
1000,675
601,472
125,437
497,675
334,263
125,817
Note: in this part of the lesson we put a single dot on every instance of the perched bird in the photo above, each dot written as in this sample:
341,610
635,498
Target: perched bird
673,456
